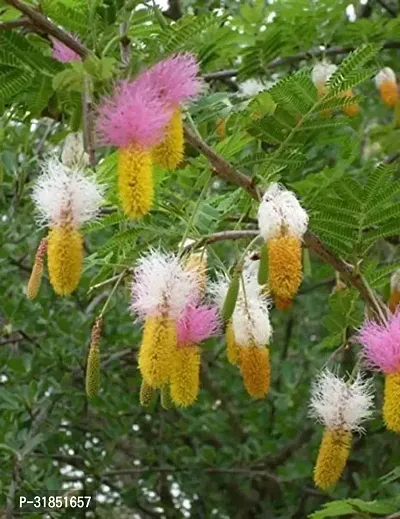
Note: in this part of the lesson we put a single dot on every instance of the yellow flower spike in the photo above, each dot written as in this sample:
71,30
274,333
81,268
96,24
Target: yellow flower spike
185,377
389,93
232,349
166,400
135,182
169,153
197,262
255,369
157,349
391,404
284,266
93,361
35,279
65,258
221,128
332,457
352,109
146,394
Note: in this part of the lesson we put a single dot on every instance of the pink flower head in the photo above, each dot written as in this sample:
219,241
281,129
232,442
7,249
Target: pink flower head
197,323
63,53
382,344
132,116
175,79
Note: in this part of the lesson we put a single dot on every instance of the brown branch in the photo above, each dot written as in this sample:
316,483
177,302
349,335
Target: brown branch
231,174
44,24
294,58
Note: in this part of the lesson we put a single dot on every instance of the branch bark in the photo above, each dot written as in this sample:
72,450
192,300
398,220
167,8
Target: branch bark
44,24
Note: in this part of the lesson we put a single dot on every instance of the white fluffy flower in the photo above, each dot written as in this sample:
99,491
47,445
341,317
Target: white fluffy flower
61,193
73,155
160,282
341,405
250,319
321,73
251,87
386,74
279,209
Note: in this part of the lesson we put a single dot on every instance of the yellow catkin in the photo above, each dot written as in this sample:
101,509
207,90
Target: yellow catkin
391,403
169,153
135,182
65,259
220,125
255,369
93,361
146,394
185,376
332,456
35,279
282,304
284,267
352,109
157,350
197,262
389,93
166,400
232,349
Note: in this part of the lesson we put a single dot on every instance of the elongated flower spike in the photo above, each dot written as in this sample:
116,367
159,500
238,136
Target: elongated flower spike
35,279
133,120
73,154
341,407
381,344
248,332
63,53
282,223
175,79
93,360
160,292
394,300
386,83
65,199
197,323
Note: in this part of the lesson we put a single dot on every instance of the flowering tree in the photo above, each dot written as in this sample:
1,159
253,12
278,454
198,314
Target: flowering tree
200,224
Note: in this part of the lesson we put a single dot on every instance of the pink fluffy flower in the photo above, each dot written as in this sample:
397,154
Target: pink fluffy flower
132,116
381,344
63,53
197,323
175,79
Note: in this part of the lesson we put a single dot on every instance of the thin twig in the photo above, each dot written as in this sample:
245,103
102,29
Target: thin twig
13,24
87,120
388,8
294,58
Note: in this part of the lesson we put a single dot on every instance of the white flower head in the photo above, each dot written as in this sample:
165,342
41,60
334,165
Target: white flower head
73,154
161,283
250,322
251,87
395,281
280,209
341,405
321,73
386,74
61,193
250,319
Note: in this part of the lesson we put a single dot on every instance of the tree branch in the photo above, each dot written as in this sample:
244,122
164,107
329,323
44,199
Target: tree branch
22,22
44,24
388,8
294,58
229,173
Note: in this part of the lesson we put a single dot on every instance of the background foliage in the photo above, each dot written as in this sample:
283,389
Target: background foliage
227,456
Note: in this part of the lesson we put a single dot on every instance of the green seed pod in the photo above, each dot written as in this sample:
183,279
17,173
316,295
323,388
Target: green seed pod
231,297
146,394
263,266
306,263
93,371
166,400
